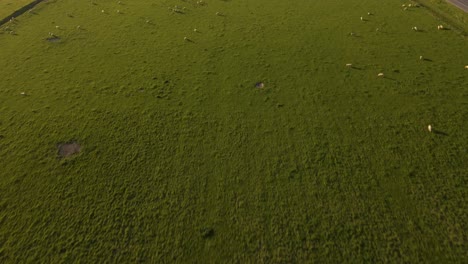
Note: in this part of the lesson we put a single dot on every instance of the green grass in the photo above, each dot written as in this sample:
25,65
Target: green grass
448,13
7,7
183,160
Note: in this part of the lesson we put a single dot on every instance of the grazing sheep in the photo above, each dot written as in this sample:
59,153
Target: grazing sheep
118,11
440,27
380,75
466,67
185,38
421,57
352,33
23,93
362,19
78,27
415,28
57,27
195,30
349,65
369,13
429,128
102,11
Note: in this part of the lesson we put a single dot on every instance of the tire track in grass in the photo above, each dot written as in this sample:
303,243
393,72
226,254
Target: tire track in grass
462,4
20,11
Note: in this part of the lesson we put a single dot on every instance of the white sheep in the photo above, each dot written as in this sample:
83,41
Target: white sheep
421,57
362,19
380,75
185,38
195,30
102,11
429,128
466,67
349,65
23,93
415,28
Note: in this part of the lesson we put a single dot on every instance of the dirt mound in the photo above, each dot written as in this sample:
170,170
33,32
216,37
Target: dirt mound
53,39
68,149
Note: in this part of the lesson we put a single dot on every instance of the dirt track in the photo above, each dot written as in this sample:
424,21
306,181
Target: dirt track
20,11
462,4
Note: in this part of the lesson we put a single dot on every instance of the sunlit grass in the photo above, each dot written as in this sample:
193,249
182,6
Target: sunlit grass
184,158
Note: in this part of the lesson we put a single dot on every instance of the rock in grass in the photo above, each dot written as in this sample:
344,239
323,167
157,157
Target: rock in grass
207,232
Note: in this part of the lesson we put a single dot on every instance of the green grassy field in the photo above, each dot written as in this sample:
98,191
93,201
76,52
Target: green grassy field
184,160
448,13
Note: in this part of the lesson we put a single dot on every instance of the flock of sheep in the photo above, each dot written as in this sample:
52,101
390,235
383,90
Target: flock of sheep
176,9
381,74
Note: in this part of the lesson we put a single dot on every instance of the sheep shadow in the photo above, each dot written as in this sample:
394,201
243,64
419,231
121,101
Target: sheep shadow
357,68
440,133
426,59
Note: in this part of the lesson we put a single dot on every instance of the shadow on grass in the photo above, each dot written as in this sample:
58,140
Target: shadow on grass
425,59
440,133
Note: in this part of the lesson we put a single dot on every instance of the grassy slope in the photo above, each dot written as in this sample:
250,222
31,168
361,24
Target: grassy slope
176,139
7,7
448,13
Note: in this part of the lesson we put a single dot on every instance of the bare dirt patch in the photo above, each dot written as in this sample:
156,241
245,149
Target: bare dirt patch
68,149
53,39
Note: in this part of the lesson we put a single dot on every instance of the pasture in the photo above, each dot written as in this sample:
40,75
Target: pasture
247,140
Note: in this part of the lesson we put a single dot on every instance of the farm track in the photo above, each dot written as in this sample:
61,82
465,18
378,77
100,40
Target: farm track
20,11
462,4
445,17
